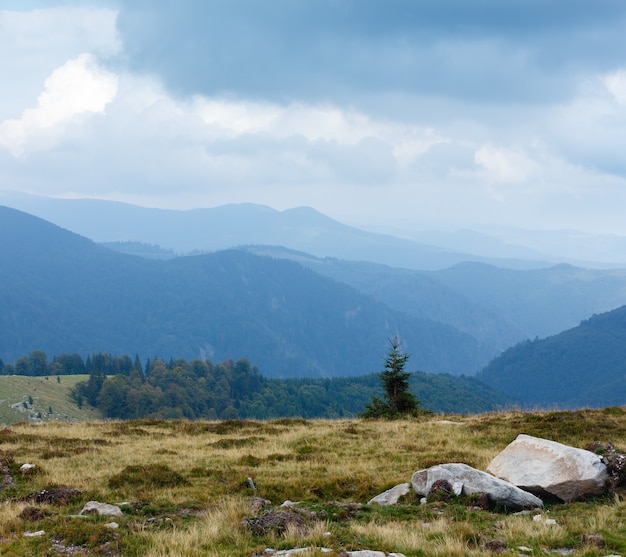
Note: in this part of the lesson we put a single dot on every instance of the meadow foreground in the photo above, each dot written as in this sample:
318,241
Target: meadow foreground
215,488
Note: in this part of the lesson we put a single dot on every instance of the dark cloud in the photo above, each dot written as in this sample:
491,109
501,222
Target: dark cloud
487,50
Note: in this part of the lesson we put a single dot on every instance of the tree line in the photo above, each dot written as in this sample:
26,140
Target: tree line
125,388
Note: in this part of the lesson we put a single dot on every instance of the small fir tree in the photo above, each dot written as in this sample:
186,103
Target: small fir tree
398,401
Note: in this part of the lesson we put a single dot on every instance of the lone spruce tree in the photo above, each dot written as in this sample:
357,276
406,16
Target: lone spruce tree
398,401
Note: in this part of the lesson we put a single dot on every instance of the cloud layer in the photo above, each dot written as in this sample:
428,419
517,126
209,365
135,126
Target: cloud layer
409,112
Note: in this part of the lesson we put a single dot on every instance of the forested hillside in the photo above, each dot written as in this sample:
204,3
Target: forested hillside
62,293
499,307
123,387
583,366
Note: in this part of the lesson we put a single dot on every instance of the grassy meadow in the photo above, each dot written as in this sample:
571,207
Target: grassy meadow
185,491
42,399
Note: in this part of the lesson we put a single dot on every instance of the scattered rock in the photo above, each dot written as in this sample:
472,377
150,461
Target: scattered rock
32,514
500,492
366,553
36,534
6,480
546,467
278,521
596,540
391,496
495,546
295,551
546,521
615,462
441,486
257,504
112,525
102,509
56,495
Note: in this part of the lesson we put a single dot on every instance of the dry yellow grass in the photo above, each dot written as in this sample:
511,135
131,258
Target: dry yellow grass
187,484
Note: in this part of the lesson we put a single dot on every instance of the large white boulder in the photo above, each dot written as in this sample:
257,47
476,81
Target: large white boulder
547,467
500,492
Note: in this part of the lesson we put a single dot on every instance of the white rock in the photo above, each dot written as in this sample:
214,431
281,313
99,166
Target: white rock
541,466
112,525
36,534
27,467
366,553
502,493
103,509
391,496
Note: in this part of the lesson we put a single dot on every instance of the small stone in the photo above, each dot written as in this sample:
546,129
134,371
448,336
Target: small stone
391,496
596,540
496,546
550,522
36,534
112,525
102,509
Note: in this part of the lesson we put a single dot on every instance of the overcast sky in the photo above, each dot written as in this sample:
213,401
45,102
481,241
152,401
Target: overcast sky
428,112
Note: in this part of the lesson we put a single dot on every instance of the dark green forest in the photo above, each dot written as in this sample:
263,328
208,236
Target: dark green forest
583,366
61,293
122,387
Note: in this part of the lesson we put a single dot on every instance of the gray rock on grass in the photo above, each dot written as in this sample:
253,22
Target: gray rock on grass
500,492
391,496
102,509
547,467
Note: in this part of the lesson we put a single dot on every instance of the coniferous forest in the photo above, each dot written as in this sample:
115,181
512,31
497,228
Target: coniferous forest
125,388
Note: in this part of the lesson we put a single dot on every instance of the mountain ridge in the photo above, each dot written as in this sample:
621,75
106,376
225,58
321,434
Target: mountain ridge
64,293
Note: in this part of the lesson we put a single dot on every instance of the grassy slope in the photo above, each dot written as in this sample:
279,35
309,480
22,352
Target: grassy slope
188,489
46,393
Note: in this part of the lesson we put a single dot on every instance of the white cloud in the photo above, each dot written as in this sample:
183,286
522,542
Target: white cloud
34,43
616,84
79,86
504,166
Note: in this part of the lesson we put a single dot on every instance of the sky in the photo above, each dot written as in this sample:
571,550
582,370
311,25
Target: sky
415,113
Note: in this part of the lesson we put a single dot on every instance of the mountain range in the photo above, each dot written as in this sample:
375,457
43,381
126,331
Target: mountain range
292,313
227,226
63,293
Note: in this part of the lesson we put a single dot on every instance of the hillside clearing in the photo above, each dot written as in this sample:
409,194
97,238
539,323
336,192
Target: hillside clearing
41,399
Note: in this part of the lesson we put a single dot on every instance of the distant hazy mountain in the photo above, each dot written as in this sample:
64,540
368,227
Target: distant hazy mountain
583,366
230,226
60,292
498,307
